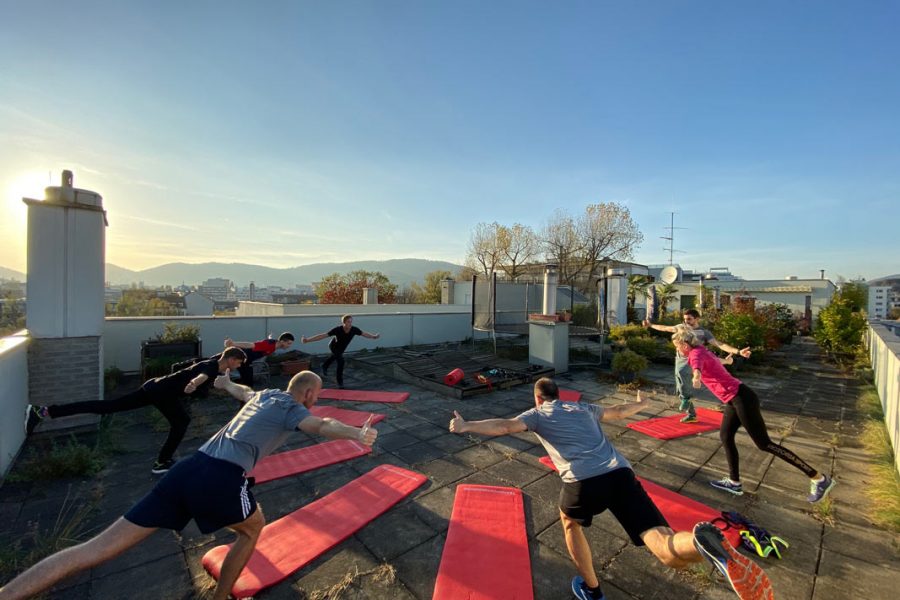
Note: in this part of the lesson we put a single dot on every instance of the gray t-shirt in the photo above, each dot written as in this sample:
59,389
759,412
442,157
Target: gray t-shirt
570,433
261,426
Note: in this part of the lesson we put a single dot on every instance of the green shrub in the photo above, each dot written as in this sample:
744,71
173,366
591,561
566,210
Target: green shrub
584,315
838,328
618,333
71,459
628,361
645,346
111,378
779,324
173,332
159,366
740,330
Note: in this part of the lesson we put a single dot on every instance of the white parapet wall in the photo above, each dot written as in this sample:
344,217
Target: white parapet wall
13,397
883,342
398,325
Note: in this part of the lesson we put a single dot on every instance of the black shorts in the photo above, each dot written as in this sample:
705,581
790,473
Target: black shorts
211,491
620,492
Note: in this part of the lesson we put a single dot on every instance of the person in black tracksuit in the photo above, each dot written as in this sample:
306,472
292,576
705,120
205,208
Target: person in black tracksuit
164,393
340,339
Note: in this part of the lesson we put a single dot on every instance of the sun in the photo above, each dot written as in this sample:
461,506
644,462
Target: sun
30,184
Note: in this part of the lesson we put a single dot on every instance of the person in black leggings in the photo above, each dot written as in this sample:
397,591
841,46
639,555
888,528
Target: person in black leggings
340,339
164,393
741,409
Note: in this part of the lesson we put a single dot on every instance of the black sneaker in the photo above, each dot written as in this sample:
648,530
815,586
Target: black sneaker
162,467
33,416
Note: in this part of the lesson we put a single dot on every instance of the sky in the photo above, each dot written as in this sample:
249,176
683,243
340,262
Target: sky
285,132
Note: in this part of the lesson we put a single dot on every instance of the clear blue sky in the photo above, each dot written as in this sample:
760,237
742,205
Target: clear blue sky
287,132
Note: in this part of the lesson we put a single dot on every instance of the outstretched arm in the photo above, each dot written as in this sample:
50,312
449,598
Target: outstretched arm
487,426
648,325
745,352
315,338
241,393
371,336
230,343
623,411
194,383
335,430
696,379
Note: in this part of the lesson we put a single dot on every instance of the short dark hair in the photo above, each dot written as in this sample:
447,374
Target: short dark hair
692,312
345,317
234,352
546,389
287,335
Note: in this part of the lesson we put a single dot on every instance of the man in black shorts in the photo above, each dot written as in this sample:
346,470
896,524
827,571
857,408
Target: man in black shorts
340,339
209,487
596,478
164,393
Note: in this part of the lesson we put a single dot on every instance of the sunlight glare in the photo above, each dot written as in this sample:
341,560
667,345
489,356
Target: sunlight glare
27,185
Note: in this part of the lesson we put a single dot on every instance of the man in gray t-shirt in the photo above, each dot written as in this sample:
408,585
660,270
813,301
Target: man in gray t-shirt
209,487
683,372
596,478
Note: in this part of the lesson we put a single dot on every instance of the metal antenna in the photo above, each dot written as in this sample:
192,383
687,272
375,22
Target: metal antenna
671,237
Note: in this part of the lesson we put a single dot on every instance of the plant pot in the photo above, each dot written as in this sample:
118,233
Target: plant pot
627,377
292,367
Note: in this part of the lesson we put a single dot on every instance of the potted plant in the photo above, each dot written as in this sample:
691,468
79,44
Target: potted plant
176,343
627,364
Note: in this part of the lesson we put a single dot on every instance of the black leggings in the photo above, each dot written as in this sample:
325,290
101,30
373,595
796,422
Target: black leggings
744,410
172,409
339,358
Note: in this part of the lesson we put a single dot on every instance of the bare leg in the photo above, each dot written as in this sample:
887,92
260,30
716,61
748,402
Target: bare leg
247,532
579,550
674,550
114,540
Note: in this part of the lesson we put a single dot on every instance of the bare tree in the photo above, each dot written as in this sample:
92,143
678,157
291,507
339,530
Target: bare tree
562,245
484,253
606,230
519,246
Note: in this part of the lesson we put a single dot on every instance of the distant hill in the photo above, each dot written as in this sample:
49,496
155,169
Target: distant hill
401,271
10,274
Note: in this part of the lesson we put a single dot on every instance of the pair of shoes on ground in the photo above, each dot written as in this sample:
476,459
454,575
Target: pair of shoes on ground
745,577
162,467
33,416
817,489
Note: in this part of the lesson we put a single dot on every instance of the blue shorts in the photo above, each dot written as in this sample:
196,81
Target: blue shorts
211,491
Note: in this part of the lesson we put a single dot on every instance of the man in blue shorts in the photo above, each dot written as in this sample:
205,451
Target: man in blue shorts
210,487
596,478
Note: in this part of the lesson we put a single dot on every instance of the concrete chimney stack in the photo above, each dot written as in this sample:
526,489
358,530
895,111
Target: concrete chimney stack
551,281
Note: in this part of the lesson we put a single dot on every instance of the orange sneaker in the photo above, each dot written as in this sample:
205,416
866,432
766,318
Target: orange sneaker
746,578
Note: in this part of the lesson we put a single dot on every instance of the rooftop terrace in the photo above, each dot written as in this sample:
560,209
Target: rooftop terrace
834,554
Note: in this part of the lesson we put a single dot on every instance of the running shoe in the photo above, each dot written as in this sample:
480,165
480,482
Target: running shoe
162,467
581,590
746,578
818,489
33,416
726,484
689,418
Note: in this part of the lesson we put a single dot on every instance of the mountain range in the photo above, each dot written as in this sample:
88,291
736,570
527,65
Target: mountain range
401,271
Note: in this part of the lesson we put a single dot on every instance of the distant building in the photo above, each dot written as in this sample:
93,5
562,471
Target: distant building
197,304
884,295
218,288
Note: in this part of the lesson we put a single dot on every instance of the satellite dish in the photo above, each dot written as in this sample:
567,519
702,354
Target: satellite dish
669,274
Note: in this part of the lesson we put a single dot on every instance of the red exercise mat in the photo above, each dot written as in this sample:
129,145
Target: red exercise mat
285,464
363,395
667,428
353,418
486,553
681,512
569,395
297,539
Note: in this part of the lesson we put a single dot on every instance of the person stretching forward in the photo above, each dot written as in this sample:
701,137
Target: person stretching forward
741,408
210,486
596,478
164,393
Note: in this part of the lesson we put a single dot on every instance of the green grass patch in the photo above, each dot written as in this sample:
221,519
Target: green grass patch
884,488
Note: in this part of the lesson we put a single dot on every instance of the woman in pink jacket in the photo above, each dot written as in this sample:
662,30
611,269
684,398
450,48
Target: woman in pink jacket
741,408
